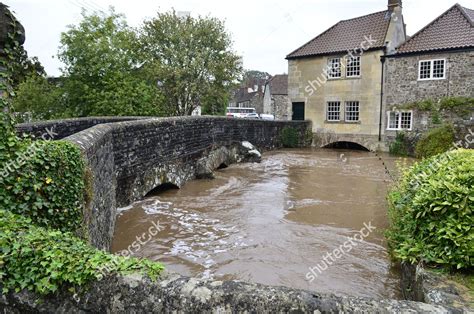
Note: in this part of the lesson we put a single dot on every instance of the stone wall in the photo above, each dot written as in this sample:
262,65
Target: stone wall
176,294
402,85
128,159
281,107
423,285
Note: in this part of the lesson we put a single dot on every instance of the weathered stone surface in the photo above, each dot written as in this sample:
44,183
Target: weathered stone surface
67,127
420,284
402,84
224,156
176,294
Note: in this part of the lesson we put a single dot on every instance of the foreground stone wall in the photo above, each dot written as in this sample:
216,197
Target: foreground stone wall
424,285
176,294
127,160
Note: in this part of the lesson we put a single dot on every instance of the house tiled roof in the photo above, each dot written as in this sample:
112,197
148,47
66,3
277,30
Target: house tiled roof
453,29
279,84
347,35
242,95
469,13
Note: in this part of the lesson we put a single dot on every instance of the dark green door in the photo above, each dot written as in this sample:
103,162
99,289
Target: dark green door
298,111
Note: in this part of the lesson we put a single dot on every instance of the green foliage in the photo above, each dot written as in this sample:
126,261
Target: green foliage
43,100
192,61
436,141
431,211
24,67
461,106
102,69
45,260
289,137
9,142
44,181
400,146
423,105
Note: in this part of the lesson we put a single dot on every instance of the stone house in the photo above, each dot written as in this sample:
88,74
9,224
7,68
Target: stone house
335,80
250,95
436,62
275,99
349,79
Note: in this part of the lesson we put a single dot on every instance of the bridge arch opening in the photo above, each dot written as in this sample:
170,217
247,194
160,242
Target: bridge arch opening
162,188
222,166
346,145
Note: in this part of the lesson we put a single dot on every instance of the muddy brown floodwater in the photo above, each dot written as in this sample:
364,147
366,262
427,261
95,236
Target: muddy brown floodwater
270,222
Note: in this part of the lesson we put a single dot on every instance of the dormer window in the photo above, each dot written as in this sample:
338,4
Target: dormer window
334,68
352,66
432,69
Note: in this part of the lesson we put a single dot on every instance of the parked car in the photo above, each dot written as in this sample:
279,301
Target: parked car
264,116
252,115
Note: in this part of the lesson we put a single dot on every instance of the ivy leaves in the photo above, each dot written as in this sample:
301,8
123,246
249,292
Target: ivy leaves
45,260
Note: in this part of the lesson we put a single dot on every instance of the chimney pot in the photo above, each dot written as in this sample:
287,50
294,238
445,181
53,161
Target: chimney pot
394,3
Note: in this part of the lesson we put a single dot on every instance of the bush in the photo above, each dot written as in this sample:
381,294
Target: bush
289,137
431,211
42,260
45,181
400,146
436,141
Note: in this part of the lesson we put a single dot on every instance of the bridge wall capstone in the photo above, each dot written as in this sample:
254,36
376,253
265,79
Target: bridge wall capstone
66,127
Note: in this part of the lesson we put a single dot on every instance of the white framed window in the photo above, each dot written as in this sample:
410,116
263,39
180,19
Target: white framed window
400,120
333,111
432,69
353,66
352,109
334,68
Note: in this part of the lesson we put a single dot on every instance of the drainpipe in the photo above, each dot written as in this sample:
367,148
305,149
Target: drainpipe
382,59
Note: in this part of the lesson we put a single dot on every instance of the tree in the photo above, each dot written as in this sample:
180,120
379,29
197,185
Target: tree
101,71
191,60
24,67
40,98
252,75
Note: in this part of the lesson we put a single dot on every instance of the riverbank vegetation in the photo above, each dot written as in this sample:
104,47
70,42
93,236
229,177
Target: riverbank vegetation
431,212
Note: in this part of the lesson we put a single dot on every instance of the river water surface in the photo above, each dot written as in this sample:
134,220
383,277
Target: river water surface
270,222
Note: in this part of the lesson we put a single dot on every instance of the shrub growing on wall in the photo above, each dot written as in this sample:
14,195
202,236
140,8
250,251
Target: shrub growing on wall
431,211
436,141
400,146
289,137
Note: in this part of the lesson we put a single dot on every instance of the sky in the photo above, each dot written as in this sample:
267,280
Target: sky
263,31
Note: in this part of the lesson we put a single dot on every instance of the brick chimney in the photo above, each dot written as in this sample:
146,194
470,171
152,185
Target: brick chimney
392,4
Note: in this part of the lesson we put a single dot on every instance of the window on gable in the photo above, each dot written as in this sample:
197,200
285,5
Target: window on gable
352,111
400,120
432,69
333,112
334,68
352,66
